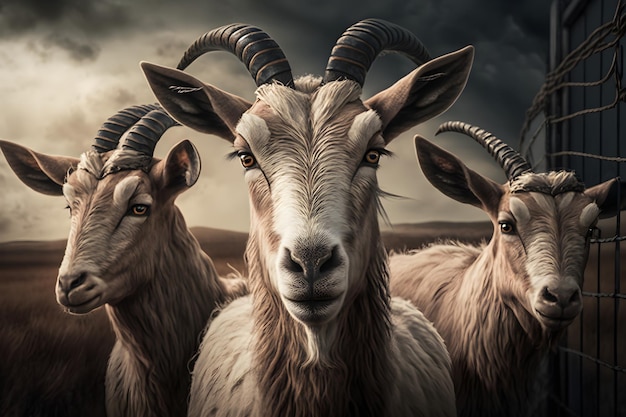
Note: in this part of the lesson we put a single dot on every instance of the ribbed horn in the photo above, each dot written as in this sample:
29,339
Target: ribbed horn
361,43
509,159
260,53
145,134
112,130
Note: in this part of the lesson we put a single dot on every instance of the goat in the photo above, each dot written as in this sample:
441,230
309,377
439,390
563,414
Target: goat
502,306
319,334
130,250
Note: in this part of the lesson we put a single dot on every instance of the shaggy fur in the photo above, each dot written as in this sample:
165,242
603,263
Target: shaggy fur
375,367
158,286
481,299
319,334
157,324
378,356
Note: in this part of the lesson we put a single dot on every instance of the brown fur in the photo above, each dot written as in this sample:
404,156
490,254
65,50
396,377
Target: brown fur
158,326
158,286
489,347
479,298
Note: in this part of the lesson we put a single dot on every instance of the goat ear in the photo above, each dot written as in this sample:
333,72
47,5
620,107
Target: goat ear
192,103
181,167
424,93
450,176
43,173
610,196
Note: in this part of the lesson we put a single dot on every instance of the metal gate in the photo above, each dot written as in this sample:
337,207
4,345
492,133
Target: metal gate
578,122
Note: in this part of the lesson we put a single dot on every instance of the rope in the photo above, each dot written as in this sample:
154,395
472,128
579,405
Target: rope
609,239
615,368
588,155
605,37
605,40
604,295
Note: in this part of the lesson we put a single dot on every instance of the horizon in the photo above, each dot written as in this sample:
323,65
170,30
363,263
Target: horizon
67,69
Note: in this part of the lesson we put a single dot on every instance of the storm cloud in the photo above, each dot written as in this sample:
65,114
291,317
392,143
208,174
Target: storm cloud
66,65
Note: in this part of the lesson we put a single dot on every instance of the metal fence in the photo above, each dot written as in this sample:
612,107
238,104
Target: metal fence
578,121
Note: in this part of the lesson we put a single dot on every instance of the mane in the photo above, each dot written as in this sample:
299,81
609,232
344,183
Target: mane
100,165
551,183
308,83
326,100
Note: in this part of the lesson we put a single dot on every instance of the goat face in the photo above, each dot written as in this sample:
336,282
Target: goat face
542,226
310,154
115,218
545,239
313,192
107,216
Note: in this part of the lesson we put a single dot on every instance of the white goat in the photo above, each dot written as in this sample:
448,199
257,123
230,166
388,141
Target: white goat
129,248
500,307
320,335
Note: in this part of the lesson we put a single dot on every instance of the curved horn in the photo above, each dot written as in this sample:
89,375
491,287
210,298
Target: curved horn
145,134
509,159
112,130
361,43
260,53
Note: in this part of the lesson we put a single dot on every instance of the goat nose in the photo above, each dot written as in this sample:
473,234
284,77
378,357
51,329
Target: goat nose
312,261
70,281
561,296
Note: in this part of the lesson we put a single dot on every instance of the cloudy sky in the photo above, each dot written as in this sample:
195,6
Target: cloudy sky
66,65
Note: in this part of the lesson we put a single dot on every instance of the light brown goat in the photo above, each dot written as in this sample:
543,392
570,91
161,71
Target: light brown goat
500,307
320,335
130,250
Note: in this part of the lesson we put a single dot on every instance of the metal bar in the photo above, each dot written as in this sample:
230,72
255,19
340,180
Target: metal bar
616,300
573,11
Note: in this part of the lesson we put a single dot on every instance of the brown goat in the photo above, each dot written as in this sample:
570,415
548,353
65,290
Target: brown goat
130,250
501,306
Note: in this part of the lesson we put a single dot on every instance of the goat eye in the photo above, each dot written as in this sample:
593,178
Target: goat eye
247,160
372,157
139,210
507,228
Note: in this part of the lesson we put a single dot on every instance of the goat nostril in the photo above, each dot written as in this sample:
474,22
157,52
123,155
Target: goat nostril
548,296
311,261
562,297
575,298
78,281
332,262
292,263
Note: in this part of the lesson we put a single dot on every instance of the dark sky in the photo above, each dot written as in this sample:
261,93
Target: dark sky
66,65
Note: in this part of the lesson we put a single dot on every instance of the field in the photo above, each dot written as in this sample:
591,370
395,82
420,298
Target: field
53,363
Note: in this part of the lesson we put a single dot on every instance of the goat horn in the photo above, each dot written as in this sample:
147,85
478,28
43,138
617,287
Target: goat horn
509,159
112,130
260,53
361,43
145,134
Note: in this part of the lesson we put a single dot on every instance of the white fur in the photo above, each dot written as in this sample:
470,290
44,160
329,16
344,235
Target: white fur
589,214
311,192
